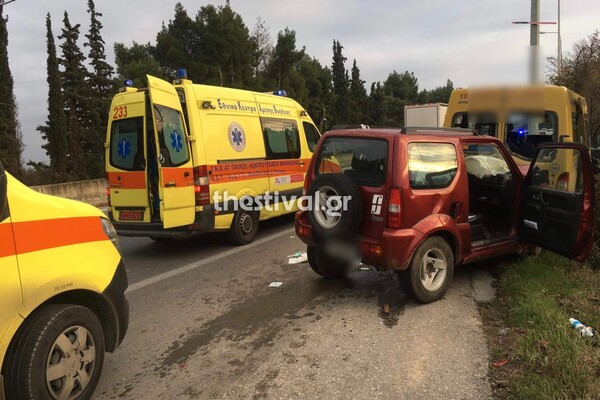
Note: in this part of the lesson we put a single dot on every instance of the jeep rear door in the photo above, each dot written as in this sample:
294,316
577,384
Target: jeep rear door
559,218
176,178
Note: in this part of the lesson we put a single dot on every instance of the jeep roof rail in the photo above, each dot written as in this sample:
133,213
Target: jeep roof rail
361,126
412,130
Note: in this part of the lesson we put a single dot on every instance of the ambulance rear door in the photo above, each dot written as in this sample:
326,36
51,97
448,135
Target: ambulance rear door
175,167
126,163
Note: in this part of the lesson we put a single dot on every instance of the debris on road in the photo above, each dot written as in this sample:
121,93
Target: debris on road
275,284
386,308
365,268
585,331
298,257
500,363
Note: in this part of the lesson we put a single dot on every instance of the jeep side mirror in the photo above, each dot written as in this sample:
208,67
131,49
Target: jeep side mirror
3,194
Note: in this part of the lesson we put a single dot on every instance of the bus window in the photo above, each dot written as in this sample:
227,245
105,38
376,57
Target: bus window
525,131
578,125
486,124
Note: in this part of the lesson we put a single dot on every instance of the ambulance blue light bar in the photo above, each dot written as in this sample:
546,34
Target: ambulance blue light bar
181,73
127,83
280,92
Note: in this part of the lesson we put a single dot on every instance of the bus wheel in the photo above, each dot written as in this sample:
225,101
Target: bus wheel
244,227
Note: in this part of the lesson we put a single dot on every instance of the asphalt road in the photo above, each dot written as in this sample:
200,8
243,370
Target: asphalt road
206,325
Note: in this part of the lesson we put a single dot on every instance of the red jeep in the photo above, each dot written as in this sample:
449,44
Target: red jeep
421,200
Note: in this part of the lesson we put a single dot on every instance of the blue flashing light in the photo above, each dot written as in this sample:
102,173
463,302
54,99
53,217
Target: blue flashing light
127,83
181,73
521,132
280,92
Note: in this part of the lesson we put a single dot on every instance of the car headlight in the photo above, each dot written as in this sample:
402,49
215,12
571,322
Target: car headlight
111,233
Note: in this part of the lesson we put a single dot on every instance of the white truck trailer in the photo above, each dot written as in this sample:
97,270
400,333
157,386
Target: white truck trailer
425,115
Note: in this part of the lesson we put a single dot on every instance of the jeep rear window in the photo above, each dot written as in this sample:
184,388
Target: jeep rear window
362,160
126,144
431,165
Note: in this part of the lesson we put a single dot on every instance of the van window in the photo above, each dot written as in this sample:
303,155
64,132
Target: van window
312,135
362,160
281,138
431,165
171,136
127,144
525,131
485,124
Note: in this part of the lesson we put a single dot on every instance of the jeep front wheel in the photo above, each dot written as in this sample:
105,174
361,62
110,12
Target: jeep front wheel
430,272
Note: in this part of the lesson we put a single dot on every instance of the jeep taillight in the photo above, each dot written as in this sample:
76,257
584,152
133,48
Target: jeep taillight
394,216
563,181
201,189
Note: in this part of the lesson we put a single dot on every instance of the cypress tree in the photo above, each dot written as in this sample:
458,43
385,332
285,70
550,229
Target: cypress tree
358,97
101,86
76,99
340,85
55,130
11,145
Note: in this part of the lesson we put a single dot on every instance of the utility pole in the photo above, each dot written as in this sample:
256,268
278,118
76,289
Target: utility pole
534,41
559,59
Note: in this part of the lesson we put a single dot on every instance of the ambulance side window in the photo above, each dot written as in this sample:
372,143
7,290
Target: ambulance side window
312,135
282,138
171,136
126,144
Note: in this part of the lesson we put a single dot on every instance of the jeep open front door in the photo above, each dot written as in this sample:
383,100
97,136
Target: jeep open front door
559,218
175,178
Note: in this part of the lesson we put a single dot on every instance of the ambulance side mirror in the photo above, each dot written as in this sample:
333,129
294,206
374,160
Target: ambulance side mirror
3,194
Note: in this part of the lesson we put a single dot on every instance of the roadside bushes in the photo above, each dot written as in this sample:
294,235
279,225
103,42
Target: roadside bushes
594,259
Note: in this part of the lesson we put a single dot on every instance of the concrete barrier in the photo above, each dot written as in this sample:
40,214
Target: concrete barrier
92,192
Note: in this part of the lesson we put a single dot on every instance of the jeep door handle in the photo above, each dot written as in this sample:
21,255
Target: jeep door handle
301,163
170,184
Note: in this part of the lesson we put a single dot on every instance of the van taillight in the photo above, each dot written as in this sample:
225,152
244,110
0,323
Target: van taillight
201,190
563,181
394,219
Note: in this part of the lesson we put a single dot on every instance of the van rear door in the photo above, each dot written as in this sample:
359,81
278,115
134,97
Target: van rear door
175,168
125,159
559,218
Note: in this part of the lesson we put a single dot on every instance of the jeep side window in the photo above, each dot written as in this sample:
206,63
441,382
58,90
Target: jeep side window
431,165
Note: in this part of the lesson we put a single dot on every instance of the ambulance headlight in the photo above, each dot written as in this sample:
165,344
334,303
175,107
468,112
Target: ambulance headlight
110,232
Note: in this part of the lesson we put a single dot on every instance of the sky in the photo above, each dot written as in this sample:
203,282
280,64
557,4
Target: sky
471,42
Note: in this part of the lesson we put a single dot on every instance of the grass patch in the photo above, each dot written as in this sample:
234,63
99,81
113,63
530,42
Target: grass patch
548,359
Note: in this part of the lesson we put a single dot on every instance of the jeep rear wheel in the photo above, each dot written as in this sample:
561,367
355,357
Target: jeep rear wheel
430,272
337,205
325,266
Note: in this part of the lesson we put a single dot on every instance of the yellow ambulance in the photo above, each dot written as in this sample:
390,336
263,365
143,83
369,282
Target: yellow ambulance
184,157
62,294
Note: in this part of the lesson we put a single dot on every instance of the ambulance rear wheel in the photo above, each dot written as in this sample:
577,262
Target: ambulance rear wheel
57,354
244,227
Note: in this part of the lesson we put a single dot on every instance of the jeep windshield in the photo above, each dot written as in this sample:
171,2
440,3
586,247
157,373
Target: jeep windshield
362,160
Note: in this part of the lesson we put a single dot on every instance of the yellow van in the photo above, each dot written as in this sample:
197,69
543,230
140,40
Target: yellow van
182,157
62,290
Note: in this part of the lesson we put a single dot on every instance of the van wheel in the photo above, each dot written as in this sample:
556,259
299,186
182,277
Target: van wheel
57,354
244,227
325,266
430,272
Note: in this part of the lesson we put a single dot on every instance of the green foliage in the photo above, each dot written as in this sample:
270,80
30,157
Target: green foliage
77,97
359,101
284,58
341,107
440,94
55,129
11,144
135,63
543,293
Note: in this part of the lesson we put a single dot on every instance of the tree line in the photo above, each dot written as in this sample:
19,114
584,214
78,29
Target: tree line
216,47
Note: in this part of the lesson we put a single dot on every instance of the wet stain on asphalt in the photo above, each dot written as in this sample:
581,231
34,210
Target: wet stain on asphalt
391,301
247,318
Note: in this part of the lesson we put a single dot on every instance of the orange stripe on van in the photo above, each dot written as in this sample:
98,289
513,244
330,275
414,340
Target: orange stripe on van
178,176
7,244
48,234
127,180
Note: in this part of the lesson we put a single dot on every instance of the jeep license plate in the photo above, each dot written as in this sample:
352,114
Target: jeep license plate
131,215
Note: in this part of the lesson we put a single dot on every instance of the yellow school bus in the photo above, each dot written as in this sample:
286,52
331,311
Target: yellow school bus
524,117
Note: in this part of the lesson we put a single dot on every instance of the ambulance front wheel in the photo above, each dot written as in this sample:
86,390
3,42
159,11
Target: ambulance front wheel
57,354
244,227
